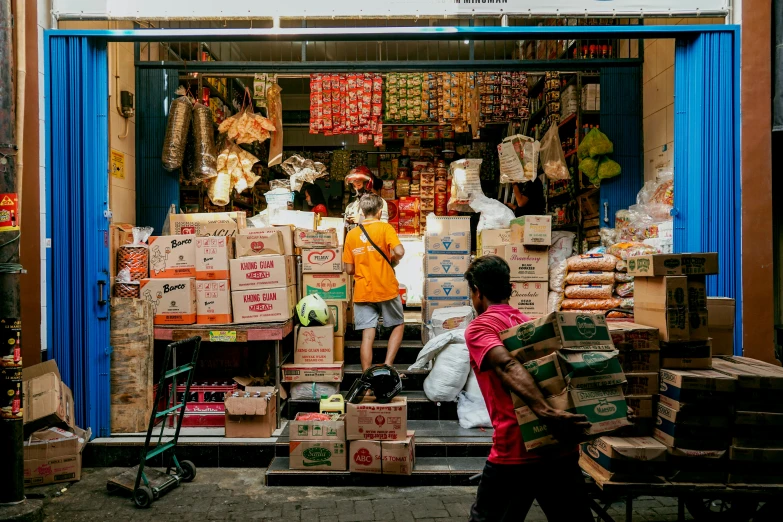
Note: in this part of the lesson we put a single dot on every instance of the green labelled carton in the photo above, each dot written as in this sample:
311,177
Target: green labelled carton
651,265
546,372
533,339
584,331
605,408
591,369
535,434
625,459
327,455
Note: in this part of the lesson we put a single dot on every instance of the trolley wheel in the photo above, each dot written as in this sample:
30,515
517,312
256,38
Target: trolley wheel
188,471
721,509
143,497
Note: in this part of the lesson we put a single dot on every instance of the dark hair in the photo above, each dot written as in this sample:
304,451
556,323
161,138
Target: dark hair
371,205
377,182
316,195
491,276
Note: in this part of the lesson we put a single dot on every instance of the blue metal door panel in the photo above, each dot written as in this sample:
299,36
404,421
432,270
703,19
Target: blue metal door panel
706,170
78,162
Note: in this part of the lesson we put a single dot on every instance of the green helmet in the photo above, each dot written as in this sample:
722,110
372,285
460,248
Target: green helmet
312,308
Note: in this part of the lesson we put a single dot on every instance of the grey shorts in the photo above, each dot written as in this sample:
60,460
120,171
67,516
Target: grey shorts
365,315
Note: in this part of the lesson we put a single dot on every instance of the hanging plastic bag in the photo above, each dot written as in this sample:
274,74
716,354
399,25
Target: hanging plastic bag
303,171
494,214
518,157
177,130
551,155
465,177
205,156
608,168
275,108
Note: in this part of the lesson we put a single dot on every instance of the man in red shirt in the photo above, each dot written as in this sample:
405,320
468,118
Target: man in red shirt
512,477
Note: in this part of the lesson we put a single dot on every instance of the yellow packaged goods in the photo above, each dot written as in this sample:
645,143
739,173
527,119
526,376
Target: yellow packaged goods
389,457
370,420
306,238
323,260
589,304
532,230
527,264
530,298
319,455
312,372
173,300
214,302
173,256
339,310
264,305
212,256
652,265
700,264
334,287
314,344
721,311
54,455
589,291
259,242
191,223
661,302
591,262
449,265
590,278
493,238
262,272
254,416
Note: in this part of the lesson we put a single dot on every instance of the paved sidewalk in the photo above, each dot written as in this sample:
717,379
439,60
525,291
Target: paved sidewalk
239,494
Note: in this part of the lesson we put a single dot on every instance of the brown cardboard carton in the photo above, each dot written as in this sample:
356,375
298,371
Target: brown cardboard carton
638,361
697,292
530,298
643,406
54,455
585,370
252,416
322,260
339,349
548,375
625,459
260,242
696,386
191,223
720,318
174,301
287,233
633,336
527,263
47,401
370,420
313,372
214,302
172,256
493,238
339,310
383,457
532,230
331,287
698,325
662,302
316,429
248,273
212,255
645,383
694,355
314,344
535,434
335,223
319,455
307,238
446,265
653,265
447,235
705,263
264,305
218,228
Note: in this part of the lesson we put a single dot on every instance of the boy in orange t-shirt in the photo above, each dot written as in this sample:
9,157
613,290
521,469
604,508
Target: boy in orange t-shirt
376,291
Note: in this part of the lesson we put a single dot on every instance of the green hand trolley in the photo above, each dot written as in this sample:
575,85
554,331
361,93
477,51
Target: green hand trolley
147,484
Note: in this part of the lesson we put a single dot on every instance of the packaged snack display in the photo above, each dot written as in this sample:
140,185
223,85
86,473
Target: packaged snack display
592,262
347,104
590,278
590,304
589,291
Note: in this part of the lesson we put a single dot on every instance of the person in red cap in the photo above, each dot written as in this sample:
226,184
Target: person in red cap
364,182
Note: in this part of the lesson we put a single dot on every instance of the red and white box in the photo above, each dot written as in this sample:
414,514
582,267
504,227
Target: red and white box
370,420
261,272
264,305
322,260
212,256
389,457
214,302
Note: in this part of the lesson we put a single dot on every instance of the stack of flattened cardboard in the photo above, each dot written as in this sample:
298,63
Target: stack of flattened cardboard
379,438
317,442
756,451
572,359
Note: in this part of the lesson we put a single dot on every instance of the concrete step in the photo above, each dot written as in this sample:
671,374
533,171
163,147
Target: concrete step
419,407
406,355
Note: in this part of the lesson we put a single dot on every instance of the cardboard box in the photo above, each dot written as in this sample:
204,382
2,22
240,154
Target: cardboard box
313,372
530,298
690,437
339,349
429,306
174,301
547,374
605,408
370,420
212,256
172,256
214,302
314,344
446,265
264,305
527,264
192,223
493,238
705,263
249,273
339,310
661,302
260,242
446,289
702,420
695,355
583,331
287,233
307,238
532,230
643,406
54,455
335,223
294,218
318,455
645,383
322,260
251,416
632,336
535,434
456,243
697,292
720,319
698,325
316,429
758,387
651,265
586,370
638,361
219,228
685,386
389,457
623,459
331,287
47,401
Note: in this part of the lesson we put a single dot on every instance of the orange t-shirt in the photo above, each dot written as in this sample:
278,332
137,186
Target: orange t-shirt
375,278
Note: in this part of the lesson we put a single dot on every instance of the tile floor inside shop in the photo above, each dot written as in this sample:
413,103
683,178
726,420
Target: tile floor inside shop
240,494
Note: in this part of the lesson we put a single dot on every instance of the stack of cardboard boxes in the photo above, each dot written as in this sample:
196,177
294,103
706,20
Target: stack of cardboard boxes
379,439
447,256
317,442
524,246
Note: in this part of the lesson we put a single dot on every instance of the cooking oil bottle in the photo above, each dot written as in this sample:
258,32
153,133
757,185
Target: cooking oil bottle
333,404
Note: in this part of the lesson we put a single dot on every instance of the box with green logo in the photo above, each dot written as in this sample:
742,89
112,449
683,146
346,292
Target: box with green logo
655,265
327,455
584,331
591,369
303,429
535,434
704,263
605,408
546,372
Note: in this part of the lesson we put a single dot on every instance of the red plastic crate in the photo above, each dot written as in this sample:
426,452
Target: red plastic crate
202,413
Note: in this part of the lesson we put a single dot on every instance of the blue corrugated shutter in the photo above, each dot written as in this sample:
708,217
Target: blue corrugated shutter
155,88
78,105
621,121
706,174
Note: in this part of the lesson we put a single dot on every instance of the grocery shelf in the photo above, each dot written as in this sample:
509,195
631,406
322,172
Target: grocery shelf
243,332
568,119
569,154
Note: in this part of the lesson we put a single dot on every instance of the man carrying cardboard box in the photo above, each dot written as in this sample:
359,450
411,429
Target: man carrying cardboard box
513,477
371,252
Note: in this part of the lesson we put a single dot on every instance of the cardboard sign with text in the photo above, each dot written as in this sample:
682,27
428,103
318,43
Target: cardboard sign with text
383,457
370,420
